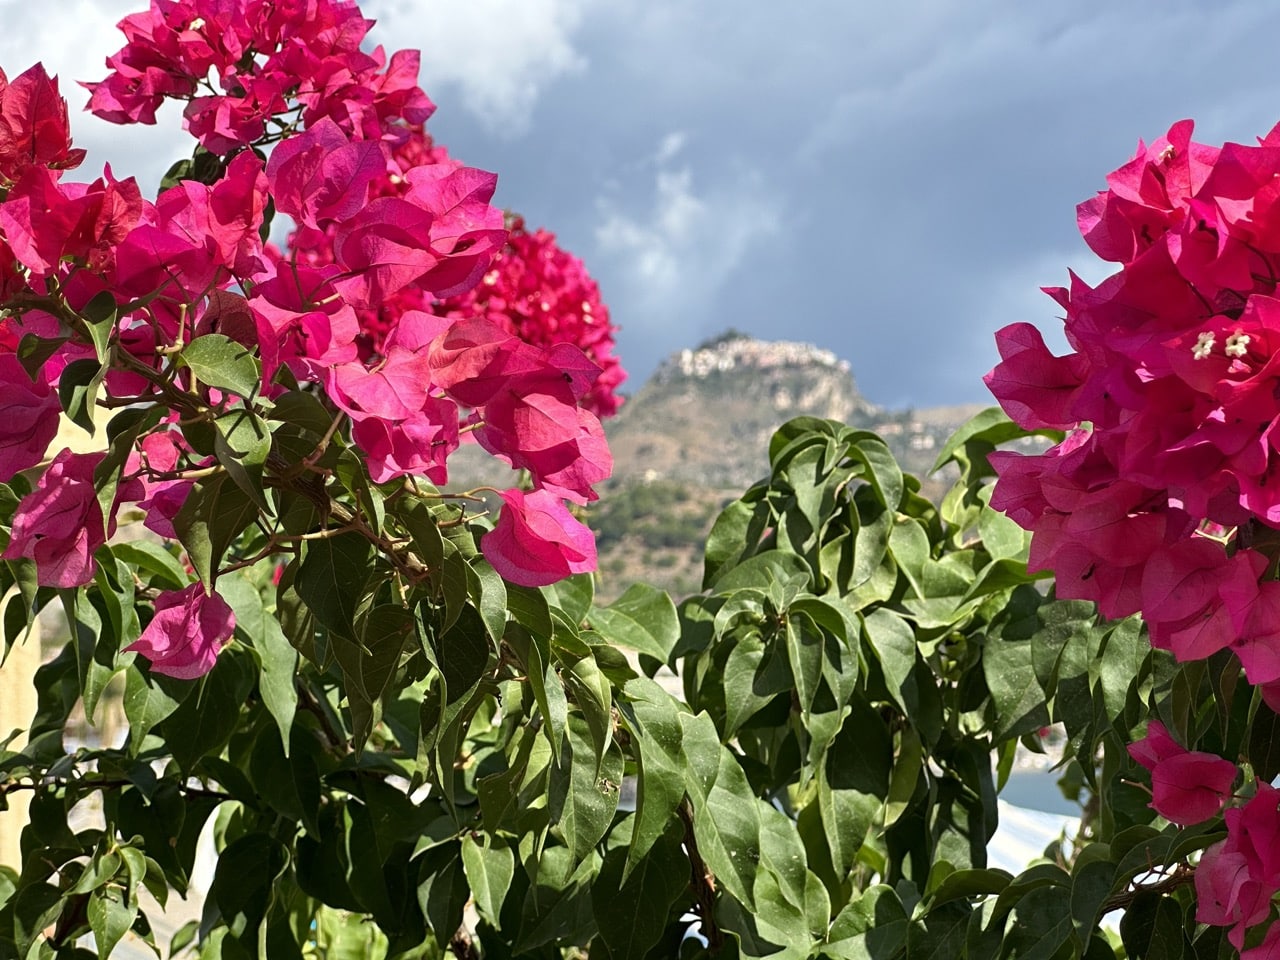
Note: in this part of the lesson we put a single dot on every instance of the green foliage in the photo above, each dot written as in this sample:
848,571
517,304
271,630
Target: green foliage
402,756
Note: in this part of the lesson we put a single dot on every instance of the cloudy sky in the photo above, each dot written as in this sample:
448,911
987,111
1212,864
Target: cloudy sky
891,182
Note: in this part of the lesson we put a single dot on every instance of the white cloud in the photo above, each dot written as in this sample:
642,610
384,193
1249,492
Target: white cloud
677,254
670,146
500,54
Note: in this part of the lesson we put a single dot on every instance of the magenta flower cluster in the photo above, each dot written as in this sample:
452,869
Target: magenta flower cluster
533,288
1164,497
290,76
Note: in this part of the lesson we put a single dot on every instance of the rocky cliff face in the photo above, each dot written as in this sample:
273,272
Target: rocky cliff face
707,414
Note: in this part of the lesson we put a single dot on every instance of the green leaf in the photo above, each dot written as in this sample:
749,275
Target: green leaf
332,578
462,653
573,595
207,718
154,559
805,653
1041,924
277,682
991,426
726,818
583,793
733,537
1264,743
873,926
882,470
110,917
528,607
643,619
652,716
78,391
970,883
35,907
489,869
1002,538
241,442
1152,926
216,512
751,680
100,319
149,699
34,352
593,694
632,907
442,891
243,879
218,361
535,656
1010,673
763,569
853,783
488,592
303,410
261,630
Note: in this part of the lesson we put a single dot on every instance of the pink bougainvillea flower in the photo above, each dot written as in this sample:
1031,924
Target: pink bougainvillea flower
536,424
537,541
1036,388
1268,949
31,417
186,634
476,358
394,390
321,175
162,503
1254,829
34,129
59,525
1187,786
1158,745
223,219
543,294
1227,895
1191,787
418,444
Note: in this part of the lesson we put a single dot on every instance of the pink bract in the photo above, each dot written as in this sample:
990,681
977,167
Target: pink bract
189,629
537,541
59,525
31,417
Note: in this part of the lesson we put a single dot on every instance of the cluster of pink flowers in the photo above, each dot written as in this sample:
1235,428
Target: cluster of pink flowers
1163,498
277,64
533,288
544,294
1237,877
193,264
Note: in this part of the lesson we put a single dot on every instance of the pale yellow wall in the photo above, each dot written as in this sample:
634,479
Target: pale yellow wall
17,706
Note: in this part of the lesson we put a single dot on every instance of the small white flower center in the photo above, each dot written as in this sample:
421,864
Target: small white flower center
197,24
1204,344
1237,344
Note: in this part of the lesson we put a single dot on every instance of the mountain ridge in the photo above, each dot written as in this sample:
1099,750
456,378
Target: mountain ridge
696,435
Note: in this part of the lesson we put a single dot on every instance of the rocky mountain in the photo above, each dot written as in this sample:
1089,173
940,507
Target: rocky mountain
697,434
